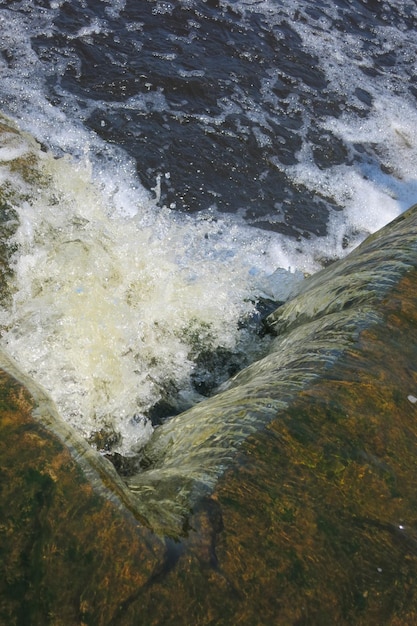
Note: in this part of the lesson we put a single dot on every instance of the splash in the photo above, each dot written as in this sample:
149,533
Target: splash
123,319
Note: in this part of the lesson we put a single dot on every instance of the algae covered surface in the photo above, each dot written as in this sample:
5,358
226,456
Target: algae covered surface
63,547
329,488
315,523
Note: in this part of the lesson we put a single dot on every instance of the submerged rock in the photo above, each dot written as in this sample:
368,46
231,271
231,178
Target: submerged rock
286,498
70,548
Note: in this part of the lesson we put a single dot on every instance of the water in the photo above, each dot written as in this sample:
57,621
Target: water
210,153
314,330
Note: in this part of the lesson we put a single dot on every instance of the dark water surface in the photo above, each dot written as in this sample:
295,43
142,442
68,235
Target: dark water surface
226,100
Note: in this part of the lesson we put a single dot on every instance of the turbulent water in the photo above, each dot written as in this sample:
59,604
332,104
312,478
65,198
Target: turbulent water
195,159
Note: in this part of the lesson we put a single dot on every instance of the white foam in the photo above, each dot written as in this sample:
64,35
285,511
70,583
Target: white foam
371,197
109,311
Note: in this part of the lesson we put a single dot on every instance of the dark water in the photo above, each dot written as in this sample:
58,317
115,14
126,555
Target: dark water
225,100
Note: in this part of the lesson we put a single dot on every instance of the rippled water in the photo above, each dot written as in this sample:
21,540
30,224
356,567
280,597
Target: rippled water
209,148
276,111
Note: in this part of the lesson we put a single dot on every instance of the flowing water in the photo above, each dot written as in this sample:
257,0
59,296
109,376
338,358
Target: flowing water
194,161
